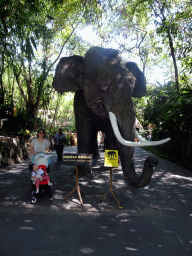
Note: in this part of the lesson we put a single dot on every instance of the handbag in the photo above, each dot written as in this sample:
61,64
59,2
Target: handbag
60,141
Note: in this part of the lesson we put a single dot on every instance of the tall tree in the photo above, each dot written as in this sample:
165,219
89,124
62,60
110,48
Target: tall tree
172,21
30,31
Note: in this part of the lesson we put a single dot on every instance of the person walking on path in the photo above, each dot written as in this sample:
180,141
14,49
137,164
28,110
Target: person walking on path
60,140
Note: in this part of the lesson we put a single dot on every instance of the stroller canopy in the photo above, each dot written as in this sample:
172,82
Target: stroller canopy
40,159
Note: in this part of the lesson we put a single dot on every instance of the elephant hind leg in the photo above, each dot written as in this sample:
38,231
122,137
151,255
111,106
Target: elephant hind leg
94,144
84,170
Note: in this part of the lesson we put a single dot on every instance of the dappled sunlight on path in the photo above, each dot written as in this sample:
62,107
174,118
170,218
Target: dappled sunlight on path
170,188
155,220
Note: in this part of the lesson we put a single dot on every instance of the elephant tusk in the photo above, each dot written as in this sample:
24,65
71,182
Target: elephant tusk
139,137
142,142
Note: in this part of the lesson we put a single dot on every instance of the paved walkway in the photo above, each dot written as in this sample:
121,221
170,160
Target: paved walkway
155,220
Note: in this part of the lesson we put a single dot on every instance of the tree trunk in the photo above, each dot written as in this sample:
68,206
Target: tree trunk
174,60
171,48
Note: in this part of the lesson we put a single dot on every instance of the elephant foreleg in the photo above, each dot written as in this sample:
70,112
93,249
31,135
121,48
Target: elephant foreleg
86,133
83,127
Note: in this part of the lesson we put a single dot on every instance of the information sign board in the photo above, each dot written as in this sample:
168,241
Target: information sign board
111,158
77,159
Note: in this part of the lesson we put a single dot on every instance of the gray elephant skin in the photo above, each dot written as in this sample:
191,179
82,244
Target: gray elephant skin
103,83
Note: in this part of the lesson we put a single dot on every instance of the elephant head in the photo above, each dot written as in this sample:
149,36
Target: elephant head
107,84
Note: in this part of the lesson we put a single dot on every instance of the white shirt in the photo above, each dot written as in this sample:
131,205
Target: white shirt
40,146
38,172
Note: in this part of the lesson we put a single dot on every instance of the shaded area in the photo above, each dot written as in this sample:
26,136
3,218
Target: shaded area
170,188
156,220
109,234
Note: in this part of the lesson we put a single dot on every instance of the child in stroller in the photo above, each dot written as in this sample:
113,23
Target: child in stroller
40,176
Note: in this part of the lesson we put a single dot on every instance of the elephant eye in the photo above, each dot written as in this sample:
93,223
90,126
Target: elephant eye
114,61
64,68
118,76
104,87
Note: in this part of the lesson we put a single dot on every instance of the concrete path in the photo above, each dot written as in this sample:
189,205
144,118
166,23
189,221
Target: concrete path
155,220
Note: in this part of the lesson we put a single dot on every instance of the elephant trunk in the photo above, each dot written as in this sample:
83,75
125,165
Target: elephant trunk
125,134
134,179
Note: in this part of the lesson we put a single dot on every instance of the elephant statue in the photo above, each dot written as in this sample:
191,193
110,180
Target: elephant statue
104,84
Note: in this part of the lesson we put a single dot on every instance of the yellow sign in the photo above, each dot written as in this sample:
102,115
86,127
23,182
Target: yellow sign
111,158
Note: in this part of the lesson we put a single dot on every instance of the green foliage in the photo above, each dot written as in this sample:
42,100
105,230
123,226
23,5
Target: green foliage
68,139
170,114
16,125
62,105
6,107
19,125
140,105
169,110
33,35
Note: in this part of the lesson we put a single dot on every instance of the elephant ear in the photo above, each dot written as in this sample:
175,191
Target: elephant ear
140,83
69,74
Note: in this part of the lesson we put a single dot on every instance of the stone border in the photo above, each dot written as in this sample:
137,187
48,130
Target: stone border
15,149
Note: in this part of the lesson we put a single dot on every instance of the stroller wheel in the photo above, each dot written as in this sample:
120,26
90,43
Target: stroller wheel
33,200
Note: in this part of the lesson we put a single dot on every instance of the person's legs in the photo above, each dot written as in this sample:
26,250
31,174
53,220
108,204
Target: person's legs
47,178
59,150
56,148
37,182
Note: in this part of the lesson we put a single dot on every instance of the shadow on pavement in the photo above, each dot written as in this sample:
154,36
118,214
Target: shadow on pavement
155,220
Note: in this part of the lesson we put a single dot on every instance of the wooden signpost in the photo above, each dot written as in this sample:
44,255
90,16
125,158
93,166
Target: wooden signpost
111,160
77,159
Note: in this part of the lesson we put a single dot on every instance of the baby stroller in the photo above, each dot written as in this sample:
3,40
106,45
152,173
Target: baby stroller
43,162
